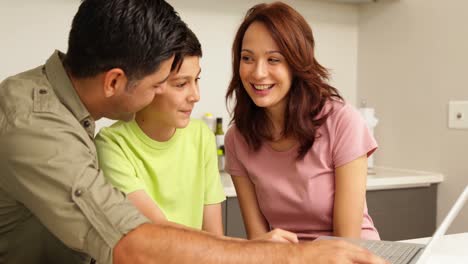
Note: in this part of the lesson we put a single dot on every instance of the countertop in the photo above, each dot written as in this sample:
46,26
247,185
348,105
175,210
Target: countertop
379,178
449,249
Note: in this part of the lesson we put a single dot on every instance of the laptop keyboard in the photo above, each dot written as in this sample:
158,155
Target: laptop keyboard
394,253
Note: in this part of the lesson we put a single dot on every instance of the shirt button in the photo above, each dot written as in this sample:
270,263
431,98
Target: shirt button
43,91
86,123
78,192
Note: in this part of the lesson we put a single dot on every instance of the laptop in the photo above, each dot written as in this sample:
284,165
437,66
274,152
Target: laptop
409,253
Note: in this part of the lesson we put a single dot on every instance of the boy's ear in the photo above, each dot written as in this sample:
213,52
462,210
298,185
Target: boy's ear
115,82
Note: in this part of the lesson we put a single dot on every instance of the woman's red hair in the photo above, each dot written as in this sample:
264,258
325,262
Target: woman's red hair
309,89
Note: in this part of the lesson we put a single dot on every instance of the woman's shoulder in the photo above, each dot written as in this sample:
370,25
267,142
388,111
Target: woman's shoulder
233,132
338,109
233,136
342,115
232,129
333,106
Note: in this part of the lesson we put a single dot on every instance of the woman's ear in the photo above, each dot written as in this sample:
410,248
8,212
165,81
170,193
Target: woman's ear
115,82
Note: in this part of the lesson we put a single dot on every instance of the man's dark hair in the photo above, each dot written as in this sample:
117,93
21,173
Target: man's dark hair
191,47
134,35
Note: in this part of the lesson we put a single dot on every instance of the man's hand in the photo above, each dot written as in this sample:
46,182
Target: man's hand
339,251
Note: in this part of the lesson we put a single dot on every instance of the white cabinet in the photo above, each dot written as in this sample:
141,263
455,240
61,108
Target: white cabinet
351,1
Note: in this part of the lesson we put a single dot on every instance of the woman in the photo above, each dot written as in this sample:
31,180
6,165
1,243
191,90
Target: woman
297,153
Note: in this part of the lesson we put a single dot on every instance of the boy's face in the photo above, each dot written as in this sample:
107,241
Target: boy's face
172,108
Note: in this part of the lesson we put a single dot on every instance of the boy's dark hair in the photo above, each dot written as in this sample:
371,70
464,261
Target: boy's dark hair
134,35
191,47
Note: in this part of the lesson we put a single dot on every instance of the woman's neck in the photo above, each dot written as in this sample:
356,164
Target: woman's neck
279,141
276,115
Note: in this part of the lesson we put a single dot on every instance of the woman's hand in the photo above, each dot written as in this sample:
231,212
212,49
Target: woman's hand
278,235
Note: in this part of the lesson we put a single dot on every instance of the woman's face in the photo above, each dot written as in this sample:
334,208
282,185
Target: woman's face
263,70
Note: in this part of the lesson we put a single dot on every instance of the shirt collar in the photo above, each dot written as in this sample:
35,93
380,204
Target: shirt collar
65,91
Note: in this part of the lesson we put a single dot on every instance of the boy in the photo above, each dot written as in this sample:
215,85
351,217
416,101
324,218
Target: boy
165,162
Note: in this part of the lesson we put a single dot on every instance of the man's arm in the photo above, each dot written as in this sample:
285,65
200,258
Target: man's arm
49,167
159,243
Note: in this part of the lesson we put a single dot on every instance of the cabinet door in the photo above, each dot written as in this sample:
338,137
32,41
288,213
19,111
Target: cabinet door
400,214
223,214
234,223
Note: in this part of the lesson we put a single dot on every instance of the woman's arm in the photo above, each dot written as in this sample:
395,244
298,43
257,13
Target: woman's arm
212,219
255,223
350,196
147,206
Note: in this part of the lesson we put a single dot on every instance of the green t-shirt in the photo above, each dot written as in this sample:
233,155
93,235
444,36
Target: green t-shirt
181,174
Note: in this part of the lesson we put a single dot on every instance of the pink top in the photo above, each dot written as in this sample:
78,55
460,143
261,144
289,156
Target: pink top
298,196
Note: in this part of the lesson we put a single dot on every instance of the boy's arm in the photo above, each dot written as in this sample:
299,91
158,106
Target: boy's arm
212,219
147,206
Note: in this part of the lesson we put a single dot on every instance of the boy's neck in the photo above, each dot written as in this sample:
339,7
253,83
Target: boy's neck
155,130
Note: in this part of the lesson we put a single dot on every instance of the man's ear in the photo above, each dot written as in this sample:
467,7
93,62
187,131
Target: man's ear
115,82
161,88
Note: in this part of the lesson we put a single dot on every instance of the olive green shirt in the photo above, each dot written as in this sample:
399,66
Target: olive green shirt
55,204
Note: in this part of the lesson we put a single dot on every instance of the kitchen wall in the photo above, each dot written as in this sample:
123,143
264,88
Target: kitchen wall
215,23
30,30
413,59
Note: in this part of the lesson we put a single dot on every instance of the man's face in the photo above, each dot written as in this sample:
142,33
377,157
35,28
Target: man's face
141,93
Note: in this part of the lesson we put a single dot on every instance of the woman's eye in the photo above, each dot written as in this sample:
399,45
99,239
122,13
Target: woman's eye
180,85
246,58
274,60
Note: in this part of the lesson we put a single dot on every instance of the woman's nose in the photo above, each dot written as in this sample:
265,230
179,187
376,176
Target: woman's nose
260,71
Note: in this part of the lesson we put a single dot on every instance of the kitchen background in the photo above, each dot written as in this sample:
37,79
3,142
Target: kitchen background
405,58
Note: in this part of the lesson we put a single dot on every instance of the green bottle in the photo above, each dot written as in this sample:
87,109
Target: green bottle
219,133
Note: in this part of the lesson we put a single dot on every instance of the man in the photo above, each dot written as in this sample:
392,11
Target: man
55,206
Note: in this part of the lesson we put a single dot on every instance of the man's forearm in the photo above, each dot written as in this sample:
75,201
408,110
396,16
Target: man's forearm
151,243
